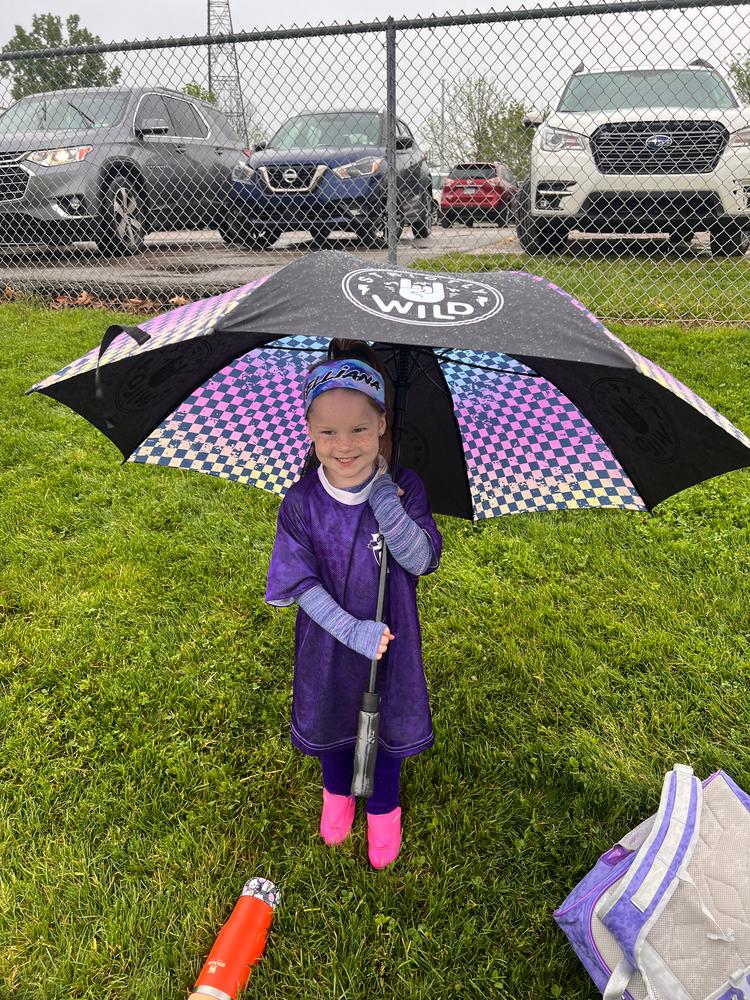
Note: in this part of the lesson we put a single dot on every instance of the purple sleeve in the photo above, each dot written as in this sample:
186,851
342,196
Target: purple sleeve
294,567
417,506
408,543
361,636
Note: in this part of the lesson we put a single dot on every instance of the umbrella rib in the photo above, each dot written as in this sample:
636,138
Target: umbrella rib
440,388
486,368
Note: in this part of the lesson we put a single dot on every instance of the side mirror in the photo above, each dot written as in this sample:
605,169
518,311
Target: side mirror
533,119
259,146
152,126
404,142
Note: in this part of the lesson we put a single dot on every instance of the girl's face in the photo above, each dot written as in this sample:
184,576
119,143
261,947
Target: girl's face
345,428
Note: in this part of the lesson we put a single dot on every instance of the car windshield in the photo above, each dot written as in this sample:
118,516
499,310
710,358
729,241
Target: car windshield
681,88
348,128
62,113
467,170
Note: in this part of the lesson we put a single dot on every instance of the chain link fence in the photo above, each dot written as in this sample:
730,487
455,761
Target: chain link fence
605,147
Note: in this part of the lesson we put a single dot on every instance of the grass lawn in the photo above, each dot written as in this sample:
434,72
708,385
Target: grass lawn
145,766
655,286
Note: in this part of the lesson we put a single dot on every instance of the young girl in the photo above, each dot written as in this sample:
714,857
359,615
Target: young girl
326,558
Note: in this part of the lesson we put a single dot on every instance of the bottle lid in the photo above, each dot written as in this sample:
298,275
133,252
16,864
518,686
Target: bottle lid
262,888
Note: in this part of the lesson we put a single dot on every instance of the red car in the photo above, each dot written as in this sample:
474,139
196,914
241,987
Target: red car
478,192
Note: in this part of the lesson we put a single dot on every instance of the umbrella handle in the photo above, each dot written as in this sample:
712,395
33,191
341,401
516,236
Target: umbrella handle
366,749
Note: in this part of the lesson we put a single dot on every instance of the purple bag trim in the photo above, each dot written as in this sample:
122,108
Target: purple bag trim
648,860
615,855
742,795
576,914
625,920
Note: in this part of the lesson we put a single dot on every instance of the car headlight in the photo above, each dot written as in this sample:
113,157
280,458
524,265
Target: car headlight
359,168
554,141
741,138
57,157
242,171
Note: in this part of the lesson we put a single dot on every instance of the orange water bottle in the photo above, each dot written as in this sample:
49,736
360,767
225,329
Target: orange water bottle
239,944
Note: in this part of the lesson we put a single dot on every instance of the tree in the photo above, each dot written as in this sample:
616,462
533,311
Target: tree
194,89
34,76
479,121
740,73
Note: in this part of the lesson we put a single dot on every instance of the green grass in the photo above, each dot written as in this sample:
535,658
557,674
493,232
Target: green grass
145,766
628,286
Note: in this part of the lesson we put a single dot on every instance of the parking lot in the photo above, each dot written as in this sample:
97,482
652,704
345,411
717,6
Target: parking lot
199,263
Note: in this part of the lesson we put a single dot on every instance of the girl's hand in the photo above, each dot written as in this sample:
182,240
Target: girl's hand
384,640
382,478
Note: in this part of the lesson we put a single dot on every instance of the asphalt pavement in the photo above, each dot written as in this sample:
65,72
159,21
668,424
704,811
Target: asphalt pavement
198,264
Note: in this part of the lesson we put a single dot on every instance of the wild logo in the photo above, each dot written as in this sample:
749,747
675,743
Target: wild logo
420,298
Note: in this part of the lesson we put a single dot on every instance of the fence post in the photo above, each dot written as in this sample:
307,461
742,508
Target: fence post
390,124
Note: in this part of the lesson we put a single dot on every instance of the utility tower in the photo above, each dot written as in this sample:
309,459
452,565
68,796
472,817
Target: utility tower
223,68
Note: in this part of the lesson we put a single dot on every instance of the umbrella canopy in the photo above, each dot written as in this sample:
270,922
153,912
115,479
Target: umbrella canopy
519,399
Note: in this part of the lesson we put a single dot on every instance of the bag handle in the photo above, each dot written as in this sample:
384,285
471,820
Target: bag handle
619,980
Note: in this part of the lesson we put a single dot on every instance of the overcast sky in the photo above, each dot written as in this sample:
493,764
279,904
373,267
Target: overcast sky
172,18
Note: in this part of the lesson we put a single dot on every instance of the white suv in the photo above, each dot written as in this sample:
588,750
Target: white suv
659,150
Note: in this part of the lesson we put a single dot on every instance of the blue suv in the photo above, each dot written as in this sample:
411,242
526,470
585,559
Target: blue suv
327,171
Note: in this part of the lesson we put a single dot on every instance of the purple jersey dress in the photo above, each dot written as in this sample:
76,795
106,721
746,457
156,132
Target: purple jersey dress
322,540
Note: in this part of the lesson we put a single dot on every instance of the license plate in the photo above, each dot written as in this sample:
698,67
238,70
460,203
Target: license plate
470,190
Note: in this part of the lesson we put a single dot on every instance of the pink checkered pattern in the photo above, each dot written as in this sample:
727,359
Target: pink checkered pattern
528,448
246,423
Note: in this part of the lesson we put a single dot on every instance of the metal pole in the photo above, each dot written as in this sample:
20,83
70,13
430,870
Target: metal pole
208,20
443,160
390,125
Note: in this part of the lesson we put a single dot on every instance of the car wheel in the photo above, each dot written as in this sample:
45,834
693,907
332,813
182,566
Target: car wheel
445,220
374,232
259,239
536,234
729,239
421,228
239,231
122,227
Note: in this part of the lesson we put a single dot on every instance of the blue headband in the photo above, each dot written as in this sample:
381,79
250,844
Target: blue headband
346,373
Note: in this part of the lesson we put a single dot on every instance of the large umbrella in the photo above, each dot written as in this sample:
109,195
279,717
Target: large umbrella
519,399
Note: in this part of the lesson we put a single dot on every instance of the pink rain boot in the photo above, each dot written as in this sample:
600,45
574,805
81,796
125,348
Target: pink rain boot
384,837
337,817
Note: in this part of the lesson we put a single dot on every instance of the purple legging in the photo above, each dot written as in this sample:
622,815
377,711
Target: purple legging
338,766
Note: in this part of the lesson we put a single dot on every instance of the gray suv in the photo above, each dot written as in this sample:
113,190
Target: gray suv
112,164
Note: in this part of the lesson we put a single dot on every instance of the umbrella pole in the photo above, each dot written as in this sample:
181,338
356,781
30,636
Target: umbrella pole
366,747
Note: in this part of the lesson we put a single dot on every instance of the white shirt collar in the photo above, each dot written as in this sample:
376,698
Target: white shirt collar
349,497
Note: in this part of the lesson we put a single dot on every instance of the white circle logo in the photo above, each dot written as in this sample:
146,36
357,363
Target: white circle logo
420,298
